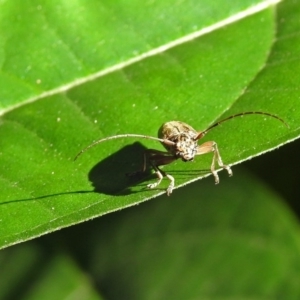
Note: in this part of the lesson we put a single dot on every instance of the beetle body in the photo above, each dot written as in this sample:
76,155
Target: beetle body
181,142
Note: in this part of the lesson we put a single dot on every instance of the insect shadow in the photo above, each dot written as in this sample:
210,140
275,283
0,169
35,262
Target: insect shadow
115,174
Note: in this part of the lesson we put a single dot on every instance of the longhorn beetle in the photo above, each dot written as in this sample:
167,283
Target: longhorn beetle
180,141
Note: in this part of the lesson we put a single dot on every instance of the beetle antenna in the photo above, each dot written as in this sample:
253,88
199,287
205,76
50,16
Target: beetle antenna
204,132
122,136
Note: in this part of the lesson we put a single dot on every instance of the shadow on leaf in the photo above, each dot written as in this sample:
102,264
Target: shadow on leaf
110,176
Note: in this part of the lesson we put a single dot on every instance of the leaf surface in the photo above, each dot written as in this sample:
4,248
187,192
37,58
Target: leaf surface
248,65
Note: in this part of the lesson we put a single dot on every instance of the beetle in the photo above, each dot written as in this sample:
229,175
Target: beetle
181,142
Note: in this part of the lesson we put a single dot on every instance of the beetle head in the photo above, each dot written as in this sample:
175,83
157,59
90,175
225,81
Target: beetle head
185,147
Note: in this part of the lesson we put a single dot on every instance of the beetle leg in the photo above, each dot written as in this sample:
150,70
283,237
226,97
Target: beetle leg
212,147
156,159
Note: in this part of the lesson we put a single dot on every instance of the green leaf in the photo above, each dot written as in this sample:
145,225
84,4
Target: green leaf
46,276
80,81
47,46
